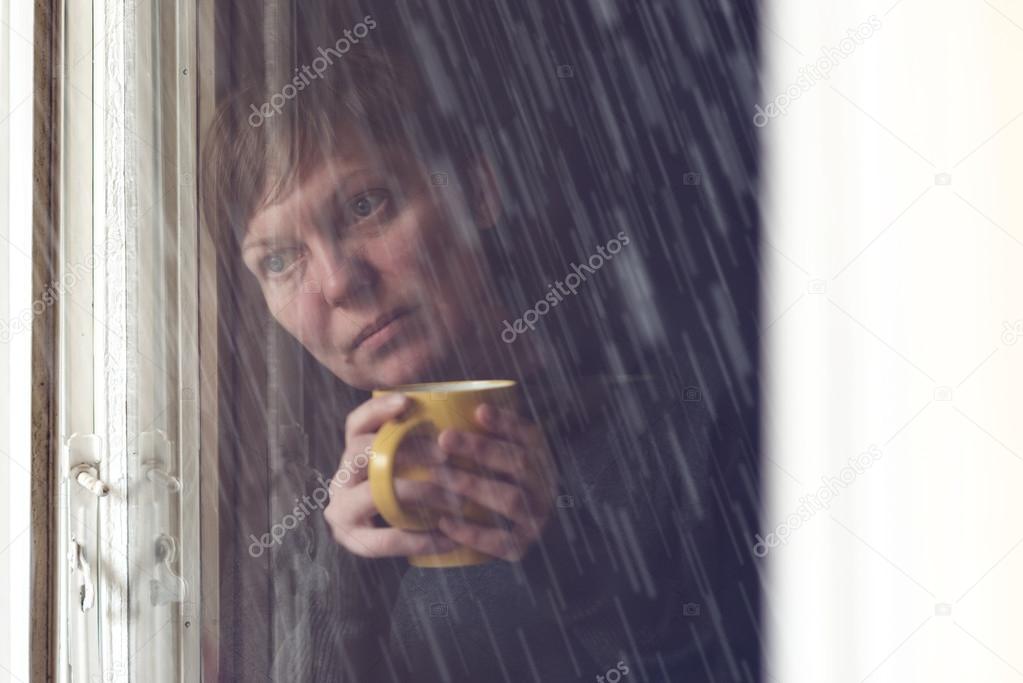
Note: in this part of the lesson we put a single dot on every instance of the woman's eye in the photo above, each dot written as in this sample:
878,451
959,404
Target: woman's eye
278,262
367,204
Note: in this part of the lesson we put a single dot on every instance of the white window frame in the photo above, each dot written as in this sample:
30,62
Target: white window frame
111,90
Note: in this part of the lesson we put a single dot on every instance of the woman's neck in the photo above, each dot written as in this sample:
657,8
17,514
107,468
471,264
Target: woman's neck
485,355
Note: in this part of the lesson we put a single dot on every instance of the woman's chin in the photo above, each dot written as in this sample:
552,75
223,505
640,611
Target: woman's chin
403,360
406,364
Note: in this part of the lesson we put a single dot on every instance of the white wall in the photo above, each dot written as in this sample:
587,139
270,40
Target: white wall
15,345
889,285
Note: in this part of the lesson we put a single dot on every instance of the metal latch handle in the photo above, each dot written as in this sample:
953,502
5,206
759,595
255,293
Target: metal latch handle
88,478
84,452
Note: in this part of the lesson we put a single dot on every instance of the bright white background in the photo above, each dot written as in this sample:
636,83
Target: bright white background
15,354
889,289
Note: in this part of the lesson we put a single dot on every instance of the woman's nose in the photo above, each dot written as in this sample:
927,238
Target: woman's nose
345,278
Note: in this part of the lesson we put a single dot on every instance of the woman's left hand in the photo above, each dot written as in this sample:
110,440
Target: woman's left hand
517,482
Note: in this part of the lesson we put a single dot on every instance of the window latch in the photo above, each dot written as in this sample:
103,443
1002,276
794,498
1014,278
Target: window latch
168,587
156,452
83,456
80,566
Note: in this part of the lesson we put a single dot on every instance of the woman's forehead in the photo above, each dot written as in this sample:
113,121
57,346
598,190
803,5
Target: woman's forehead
339,174
330,178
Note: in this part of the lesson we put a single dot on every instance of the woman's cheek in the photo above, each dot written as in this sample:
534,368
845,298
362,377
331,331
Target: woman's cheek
294,313
312,320
402,266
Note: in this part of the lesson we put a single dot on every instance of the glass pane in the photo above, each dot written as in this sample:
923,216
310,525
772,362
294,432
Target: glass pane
552,193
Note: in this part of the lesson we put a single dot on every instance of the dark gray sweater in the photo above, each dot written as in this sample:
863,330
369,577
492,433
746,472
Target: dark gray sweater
640,573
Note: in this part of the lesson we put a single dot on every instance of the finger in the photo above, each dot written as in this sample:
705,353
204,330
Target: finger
355,507
532,470
350,508
486,451
346,512
508,425
426,498
508,500
391,542
349,518
500,543
420,450
354,468
371,415
354,462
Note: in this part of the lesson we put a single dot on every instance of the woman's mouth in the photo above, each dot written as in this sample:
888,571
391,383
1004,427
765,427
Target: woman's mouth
383,330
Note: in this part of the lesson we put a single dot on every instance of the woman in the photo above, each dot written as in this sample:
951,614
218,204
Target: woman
389,243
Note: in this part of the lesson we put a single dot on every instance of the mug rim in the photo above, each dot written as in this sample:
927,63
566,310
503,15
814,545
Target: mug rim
449,386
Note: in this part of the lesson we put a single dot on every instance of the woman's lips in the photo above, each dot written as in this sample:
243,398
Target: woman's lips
393,326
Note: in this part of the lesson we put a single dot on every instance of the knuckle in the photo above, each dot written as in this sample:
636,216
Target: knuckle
342,478
470,444
458,439
348,539
340,537
425,545
491,450
337,530
459,482
358,548
464,533
518,460
350,422
514,502
506,501
472,535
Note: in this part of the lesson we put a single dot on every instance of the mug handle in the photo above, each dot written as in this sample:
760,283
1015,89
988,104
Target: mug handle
381,472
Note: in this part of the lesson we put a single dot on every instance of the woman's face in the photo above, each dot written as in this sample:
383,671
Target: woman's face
362,264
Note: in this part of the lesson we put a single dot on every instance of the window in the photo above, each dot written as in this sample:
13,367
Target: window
399,195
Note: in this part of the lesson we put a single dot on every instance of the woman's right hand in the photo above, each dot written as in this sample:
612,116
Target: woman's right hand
351,509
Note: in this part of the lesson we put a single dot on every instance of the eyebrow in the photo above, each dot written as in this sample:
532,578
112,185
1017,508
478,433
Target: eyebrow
340,187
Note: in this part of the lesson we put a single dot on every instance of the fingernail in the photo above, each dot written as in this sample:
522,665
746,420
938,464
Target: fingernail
397,399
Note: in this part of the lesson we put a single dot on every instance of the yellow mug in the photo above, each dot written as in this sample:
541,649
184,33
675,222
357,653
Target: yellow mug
435,406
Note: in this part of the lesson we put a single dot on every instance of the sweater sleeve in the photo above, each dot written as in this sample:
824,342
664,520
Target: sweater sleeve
331,609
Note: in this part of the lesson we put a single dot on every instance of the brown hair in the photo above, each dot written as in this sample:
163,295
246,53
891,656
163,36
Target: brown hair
250,159
444,84
444,102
